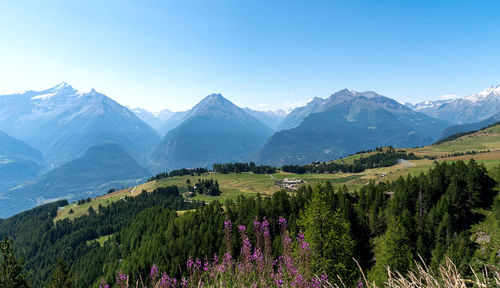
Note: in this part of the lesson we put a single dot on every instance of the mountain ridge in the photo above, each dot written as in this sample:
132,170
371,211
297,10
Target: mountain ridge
347,122
102,167
63,123
214,130
470,109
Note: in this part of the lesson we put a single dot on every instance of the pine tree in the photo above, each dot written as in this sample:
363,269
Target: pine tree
11,274
332,246
392,250
61,277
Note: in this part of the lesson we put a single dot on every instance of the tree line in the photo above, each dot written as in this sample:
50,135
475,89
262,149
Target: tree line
243,167
382,224
179,172
380,159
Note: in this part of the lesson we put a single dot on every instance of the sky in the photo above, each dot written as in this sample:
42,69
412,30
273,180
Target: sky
261,54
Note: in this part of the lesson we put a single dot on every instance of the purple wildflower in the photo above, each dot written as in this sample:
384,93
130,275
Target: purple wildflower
283,223
122,279
227,225
256,224
197,264
242,228
190,263
103,284
154,272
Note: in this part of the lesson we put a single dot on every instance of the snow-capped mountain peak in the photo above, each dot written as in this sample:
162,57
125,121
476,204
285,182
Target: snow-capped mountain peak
470,109
60,86
62,122
61,89
492,91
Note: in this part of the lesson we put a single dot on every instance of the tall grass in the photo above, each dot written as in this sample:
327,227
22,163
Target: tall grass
446,276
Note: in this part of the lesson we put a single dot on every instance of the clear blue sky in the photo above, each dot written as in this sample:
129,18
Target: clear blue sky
263,54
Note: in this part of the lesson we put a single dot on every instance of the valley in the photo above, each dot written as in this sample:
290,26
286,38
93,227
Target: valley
486,141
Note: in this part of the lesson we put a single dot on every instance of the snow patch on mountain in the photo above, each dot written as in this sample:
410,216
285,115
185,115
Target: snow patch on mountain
44,96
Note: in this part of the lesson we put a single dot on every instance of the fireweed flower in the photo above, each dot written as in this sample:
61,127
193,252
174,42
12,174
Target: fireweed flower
227,225
258,235
189,263
242,228
265,226
300,237
227,234
122,279
360,285
184,282
303,244
256,224
283,223
255,269
103,284
205,264
246,249
197,264
315,283
267,240
154,272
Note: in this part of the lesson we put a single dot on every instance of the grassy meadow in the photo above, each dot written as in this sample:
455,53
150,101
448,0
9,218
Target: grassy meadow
233,185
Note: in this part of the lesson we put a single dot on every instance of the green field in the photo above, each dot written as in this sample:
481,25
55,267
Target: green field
488,139
74,210
100,240
233,185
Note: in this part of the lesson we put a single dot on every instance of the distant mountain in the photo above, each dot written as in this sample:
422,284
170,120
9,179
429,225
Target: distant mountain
15,148
153,119
297,115
270,118
63,123
102,167
470,109
172,122
215,130
162,121
471,126
347,122
19,162
419,121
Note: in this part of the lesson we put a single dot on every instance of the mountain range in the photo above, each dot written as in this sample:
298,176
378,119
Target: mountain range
61,142
470,109
167,120
347,122
64,123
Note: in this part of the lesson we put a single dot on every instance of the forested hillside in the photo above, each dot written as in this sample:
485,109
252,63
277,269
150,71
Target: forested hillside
434,215
41,241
